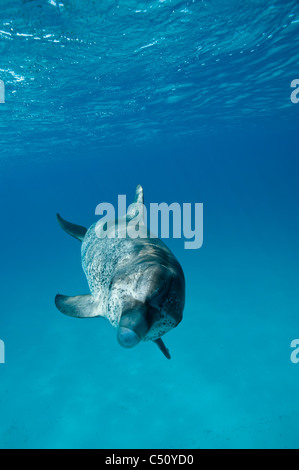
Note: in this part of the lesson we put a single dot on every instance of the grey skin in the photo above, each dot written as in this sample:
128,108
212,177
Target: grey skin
136,283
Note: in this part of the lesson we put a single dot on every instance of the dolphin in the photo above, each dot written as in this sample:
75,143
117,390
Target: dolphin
136,283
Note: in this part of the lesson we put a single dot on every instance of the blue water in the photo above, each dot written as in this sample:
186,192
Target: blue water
191,99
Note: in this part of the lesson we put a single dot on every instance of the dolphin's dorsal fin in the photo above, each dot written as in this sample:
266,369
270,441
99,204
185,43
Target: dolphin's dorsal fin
76,231
139,197
137,205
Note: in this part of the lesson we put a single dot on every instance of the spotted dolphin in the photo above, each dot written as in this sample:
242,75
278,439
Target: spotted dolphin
136,283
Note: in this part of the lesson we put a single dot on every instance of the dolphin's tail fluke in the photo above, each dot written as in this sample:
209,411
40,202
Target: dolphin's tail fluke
76,231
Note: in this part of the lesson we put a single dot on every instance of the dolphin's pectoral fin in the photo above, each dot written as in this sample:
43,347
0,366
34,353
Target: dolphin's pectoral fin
162,348
80,306
76,231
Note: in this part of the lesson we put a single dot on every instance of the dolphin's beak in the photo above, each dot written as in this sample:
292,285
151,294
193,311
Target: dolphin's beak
134,323
127,337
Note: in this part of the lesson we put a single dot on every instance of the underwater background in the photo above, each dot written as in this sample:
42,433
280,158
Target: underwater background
192,100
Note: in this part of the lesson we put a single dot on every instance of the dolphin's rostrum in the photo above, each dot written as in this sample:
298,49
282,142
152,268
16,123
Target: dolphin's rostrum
136,283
